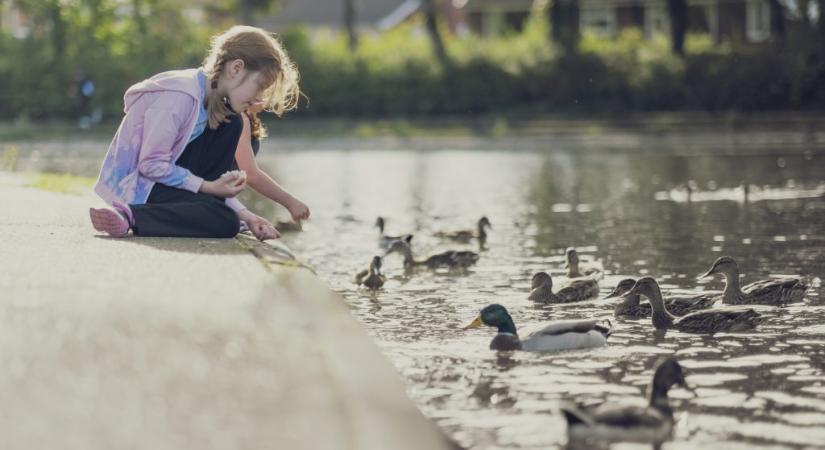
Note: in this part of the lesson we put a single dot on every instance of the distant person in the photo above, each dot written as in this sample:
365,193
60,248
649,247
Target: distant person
168,171
248,147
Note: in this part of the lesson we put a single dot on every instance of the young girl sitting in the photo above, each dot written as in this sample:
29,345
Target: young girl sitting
168,171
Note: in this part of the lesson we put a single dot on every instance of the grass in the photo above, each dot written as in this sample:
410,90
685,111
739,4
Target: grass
62,183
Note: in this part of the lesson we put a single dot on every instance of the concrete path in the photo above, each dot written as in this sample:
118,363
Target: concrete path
158,344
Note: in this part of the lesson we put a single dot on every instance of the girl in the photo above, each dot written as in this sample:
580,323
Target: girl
168,168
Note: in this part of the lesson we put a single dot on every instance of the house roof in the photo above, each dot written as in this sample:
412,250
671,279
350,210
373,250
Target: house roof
328,13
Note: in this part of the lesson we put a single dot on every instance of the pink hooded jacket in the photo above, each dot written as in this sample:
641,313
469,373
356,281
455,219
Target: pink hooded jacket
161,113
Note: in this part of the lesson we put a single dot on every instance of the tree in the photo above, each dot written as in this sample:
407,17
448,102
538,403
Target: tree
564,24
349,24
677,10
431,19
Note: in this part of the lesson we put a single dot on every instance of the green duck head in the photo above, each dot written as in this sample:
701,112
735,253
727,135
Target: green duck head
375,264
724,265
495,316
622,288
541,279
668,373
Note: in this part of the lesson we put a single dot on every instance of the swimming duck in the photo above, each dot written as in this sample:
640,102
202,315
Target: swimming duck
730,319
371,277
625,423
468,235
574,271
775,292
631,307
556,336
385,241
450,259
576,290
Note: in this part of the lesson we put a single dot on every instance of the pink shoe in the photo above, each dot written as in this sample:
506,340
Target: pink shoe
115,223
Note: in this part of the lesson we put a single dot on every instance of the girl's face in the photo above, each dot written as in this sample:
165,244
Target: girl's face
243,88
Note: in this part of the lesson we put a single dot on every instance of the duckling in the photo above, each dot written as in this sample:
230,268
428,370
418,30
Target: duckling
731,319
465,236
385,241
371,277
630,307
450,259
556,336
765,292
572,265
576,290
651,424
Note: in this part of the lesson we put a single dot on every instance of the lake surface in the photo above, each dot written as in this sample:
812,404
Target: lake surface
655,213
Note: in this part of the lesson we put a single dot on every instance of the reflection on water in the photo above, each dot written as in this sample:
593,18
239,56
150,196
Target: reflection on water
760,389
763,389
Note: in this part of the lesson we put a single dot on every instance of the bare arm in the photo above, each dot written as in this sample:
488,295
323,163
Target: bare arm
259,180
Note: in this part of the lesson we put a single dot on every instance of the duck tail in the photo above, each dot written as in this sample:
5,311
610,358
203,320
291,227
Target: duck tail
574,415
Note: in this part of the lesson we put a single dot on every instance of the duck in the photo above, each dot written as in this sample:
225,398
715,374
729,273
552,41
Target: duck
371,277
465,236
731,319
450,259
553,337
630,307
611,422
576,290
775,292
385,241
571,257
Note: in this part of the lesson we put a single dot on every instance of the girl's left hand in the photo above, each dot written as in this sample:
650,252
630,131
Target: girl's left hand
262,228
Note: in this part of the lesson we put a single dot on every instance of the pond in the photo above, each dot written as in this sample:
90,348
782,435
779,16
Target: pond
658,212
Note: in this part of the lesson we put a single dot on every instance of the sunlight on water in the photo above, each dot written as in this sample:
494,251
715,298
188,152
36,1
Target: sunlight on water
760,389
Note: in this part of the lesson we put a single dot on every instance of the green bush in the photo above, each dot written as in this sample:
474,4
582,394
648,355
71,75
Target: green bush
396,73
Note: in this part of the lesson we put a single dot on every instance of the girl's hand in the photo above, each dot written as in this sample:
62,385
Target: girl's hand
298,210
260,227
228,185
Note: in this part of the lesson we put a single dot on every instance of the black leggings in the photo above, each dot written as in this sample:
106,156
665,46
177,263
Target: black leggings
173,212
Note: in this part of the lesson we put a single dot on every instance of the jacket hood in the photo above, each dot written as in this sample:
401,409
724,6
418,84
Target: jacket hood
185,81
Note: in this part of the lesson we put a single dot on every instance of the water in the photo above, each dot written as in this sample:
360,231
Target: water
765,389
650,213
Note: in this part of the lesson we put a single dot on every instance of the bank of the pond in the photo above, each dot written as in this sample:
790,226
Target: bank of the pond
179,343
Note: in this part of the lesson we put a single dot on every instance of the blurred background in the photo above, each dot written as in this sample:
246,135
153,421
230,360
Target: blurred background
64,59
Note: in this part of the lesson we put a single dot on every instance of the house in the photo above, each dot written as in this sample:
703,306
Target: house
725,20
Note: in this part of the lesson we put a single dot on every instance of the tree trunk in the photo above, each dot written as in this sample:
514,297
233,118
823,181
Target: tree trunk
349,24
777,20
431,20
245,12
564,24
677,10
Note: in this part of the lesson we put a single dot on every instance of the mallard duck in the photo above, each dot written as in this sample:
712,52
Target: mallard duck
385,241
450,259
572,265
576,290
556,336
625,423
631,307
730,319
372,276
766,292
467,235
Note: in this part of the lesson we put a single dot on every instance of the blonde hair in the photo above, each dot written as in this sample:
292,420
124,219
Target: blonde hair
261,52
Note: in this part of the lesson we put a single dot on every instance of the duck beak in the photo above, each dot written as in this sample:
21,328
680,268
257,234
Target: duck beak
614,294
710,272
474,324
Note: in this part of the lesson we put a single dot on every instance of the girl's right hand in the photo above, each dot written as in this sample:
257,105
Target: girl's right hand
228,185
